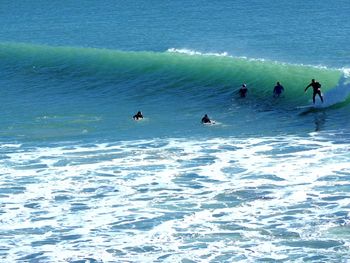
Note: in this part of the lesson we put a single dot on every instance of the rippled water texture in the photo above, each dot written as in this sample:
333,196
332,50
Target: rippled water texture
173,200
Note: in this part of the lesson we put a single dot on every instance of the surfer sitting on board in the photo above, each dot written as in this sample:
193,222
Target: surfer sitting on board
277,91
317,89
138,116
243,91
206,119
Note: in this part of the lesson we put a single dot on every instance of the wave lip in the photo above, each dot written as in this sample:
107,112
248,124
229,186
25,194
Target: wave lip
193,52
338,94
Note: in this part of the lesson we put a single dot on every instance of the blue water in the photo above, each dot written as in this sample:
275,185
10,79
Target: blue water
81,181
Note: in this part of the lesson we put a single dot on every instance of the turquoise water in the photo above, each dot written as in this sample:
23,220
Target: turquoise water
83,182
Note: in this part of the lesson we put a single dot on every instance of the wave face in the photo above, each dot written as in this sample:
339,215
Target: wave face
75,91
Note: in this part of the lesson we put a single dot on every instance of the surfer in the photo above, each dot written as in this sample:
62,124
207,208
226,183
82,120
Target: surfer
317,89
278,89
138,116
206,119
243,91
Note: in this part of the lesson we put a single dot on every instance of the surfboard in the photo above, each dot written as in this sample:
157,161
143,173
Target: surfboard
306,107
210,123
313,106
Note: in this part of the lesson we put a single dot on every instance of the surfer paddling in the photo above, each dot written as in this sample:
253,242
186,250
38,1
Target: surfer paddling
206,119
317,89
138,116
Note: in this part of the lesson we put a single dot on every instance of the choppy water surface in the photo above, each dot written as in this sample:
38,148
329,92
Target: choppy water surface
175,200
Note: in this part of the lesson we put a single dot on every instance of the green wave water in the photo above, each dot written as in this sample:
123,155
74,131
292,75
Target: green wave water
221,72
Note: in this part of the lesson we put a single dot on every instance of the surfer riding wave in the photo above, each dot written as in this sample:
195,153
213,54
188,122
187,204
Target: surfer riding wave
317,89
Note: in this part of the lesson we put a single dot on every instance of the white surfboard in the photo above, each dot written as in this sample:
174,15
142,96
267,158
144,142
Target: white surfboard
306,107
210,123
314,106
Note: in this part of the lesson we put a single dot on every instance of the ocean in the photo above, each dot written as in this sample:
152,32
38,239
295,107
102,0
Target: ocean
81,181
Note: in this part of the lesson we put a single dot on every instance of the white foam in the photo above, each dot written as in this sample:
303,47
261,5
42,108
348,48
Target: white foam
337,94
194,52
346,72
187,198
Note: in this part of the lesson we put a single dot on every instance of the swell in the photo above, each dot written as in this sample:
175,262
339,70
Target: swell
194,74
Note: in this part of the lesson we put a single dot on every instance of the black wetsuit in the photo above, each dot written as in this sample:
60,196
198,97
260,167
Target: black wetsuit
317,90
243,92
278,90
206,119
138,116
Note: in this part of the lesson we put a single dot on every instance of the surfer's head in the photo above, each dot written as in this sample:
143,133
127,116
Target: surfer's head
313,80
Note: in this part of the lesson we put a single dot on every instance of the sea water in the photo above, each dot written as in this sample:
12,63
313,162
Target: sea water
81,181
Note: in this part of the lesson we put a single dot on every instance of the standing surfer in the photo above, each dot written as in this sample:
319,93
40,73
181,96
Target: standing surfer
317,89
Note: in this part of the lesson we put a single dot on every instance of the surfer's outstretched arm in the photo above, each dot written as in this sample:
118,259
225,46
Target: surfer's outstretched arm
307,87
